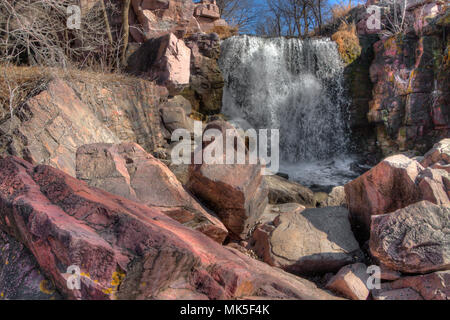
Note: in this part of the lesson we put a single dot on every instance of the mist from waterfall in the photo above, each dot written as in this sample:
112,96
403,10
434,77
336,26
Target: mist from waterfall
296,86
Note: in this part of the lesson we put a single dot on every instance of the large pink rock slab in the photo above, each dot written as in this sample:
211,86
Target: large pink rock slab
124,249
127,170
20,275
394,183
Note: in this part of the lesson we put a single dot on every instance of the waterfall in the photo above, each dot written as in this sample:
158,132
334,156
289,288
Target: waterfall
296,86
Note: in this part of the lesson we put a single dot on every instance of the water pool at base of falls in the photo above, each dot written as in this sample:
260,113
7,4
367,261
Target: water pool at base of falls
321,175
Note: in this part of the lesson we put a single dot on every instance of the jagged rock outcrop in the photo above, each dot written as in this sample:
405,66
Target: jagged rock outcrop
394,183
206,83
207,13
155,18
399,83
124,249
165,60
167,27
127,170
50,126
351,281
312,241
20,275
410,72
415,239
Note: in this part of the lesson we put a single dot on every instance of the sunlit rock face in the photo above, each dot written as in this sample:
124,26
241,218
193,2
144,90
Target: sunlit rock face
155,18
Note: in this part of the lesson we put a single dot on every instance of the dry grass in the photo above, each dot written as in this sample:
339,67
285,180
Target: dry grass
225,32
348,42
17,85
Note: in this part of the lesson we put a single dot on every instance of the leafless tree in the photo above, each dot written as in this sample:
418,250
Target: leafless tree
240,13
35,32
293,17
394,16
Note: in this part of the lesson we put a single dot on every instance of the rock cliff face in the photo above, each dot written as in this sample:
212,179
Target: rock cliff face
20,275
403,97
67,114
410,105
179,51
206,83
155,18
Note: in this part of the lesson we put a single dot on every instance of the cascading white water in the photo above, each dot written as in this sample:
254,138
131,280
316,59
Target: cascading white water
296,86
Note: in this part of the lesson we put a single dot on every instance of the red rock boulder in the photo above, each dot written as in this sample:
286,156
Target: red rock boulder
127,170
124,249
165,59
388,186
236,192
394,183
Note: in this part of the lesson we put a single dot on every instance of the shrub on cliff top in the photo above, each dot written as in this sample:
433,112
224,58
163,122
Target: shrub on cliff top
340,10
348,42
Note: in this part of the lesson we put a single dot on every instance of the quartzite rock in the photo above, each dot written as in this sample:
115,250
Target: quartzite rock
20,275
165,59
124,249
351,281
127,170
415,239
